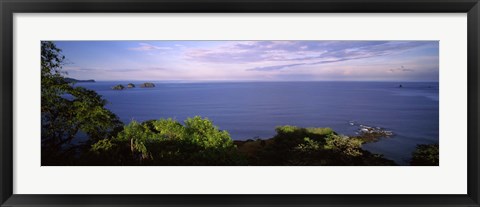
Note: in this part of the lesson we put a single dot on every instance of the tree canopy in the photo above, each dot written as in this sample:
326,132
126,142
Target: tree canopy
67,110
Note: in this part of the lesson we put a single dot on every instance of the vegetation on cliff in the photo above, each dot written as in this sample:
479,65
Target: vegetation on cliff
308,146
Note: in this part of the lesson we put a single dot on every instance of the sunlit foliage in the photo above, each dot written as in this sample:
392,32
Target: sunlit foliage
344,144
168,142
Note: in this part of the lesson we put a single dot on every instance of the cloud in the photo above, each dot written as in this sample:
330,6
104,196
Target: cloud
76,68
274,67
248,51
257,60
114,70
279,67
401,69
179,45
148,47
278,55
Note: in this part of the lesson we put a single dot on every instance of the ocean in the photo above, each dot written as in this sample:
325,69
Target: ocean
253,109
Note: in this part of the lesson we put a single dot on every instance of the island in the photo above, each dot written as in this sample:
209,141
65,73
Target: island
72,80
147,85
131,85
118,87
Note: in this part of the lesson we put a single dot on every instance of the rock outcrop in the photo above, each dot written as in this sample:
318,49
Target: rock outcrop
118,87
147,85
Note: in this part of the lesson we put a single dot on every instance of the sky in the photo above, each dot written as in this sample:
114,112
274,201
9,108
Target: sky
252,60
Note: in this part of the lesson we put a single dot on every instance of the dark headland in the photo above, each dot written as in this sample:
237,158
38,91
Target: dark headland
72,80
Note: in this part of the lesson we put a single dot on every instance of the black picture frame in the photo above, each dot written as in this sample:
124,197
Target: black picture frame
10,7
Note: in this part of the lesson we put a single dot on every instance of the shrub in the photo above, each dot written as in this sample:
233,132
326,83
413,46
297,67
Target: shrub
308,146
344,144
425,155
320,131
204,133
167,142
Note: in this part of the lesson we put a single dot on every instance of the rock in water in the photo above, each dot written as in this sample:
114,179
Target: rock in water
118,87
131,85
147,85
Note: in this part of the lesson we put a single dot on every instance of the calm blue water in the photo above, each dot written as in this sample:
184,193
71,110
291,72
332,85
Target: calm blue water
254,109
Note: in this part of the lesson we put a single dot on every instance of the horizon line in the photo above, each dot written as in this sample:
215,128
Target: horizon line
406,81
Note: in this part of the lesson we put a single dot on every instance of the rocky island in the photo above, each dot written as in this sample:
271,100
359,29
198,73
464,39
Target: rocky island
118,87
147,85
131,85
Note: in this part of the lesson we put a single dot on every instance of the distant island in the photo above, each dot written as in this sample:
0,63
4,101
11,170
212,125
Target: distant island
131,85
147,85
72,80
118,87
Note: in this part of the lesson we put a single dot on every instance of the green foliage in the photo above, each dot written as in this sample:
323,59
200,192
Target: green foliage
103,145
308,146
296,132
205,134
287,129
67,110
286,140
288,136
320,131
335,150
167,142
51,59
344,144
425,155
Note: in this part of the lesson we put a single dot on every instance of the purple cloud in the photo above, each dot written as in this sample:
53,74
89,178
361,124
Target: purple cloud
120,70
148,47
401,69
296,53
279,67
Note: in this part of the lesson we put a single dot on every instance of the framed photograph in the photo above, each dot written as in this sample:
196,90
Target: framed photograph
239,103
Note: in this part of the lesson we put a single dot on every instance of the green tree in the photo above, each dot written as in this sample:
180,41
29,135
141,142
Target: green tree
68,110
